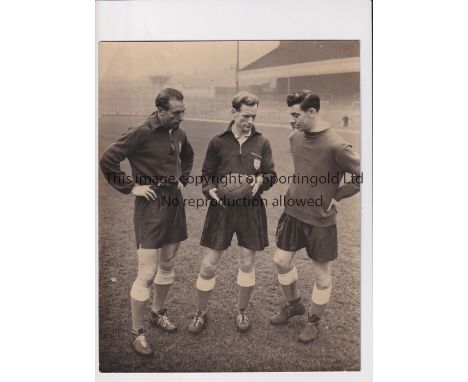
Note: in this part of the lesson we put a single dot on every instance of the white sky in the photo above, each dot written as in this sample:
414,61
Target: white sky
133,60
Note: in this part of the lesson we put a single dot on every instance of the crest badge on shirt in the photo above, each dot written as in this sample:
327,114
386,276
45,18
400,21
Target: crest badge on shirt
257,164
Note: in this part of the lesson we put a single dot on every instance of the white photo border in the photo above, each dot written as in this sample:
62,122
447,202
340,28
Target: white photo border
185,20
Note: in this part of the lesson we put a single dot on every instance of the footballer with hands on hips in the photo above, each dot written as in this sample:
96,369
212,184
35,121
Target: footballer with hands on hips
240,149
161,159
316,151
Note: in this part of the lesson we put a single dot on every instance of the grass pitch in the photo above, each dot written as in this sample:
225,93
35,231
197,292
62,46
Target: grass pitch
220,347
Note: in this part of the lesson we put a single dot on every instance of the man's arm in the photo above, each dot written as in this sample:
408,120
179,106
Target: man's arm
209,169
267,170
350,162
186,158
111,158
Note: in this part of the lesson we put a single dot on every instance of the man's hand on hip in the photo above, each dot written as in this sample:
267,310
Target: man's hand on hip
335,204
145,191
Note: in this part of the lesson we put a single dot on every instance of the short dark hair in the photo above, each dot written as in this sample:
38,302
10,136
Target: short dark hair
165,95
305,98
244,98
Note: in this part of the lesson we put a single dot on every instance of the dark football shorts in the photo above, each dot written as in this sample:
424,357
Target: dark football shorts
321,243
162,221
249,223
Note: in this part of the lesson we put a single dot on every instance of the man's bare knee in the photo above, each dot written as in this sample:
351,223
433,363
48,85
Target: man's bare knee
322,273
140,290
146,274
147,265
246,266
246,260
282,261
323,280
167,264
208,269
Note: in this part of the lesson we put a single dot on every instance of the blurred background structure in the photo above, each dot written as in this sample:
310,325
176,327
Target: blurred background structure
209,73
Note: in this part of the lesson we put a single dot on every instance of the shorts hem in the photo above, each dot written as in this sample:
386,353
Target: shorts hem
159,245
287,249
321,260
213,247
251,249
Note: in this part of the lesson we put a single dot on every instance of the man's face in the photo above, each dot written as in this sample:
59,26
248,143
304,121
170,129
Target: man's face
244,118
302,120
174,115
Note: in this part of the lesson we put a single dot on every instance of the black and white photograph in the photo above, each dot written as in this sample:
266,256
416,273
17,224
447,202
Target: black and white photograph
229,206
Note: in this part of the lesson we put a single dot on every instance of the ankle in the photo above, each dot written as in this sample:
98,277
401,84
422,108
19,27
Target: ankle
159,312
314,319
294,302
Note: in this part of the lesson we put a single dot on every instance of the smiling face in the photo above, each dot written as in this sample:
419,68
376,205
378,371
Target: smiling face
302,120
244,118
174,115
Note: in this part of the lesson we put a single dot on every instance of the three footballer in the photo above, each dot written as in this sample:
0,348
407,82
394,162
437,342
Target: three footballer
159,149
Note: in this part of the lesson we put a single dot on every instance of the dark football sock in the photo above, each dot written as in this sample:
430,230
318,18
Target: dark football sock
244,297
314,319
203,297
290,291
159,297
317,310
294,302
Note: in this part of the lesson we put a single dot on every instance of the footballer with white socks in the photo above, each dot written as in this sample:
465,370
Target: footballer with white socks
317,151
161,159
240,149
